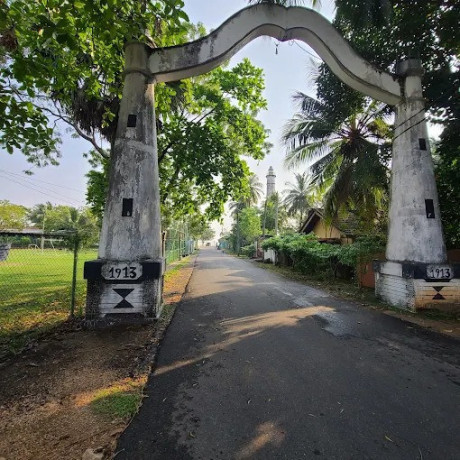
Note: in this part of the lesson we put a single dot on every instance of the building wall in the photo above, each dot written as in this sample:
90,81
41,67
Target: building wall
322,230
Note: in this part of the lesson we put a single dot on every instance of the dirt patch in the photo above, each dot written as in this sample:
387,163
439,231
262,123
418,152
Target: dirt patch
51,394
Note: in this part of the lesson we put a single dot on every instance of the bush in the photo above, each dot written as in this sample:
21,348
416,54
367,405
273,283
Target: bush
310,256
248,251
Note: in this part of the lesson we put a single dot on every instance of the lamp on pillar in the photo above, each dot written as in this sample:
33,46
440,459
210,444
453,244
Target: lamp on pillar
125,282
416,272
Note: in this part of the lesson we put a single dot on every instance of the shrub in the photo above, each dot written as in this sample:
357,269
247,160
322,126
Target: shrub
308,255
248,251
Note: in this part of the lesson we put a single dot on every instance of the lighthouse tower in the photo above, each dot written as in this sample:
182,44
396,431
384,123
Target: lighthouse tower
271,186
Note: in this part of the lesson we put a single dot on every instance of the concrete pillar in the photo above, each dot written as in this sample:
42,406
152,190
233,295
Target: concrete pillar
125,283
415,231
416,273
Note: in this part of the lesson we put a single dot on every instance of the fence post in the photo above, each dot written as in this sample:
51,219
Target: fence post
74,275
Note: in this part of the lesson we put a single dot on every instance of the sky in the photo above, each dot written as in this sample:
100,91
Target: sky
286,72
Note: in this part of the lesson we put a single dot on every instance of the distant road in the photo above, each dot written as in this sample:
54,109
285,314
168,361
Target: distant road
255,366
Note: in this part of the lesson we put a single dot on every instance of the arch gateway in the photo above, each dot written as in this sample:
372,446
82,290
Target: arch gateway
125,282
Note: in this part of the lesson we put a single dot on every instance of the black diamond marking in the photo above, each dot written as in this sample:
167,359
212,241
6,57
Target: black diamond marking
438,297
124,293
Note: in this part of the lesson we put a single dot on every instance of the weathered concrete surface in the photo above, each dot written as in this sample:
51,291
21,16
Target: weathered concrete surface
131,229
201,56
134,171
257,366
415,229
413,235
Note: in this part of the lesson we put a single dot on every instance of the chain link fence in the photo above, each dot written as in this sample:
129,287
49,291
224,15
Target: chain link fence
41,278
177,243
41,281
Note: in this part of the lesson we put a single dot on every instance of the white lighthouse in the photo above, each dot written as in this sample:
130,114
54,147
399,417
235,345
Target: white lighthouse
271,185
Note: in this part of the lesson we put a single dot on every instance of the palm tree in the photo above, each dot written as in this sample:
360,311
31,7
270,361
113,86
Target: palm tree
255,190
349,161
297,199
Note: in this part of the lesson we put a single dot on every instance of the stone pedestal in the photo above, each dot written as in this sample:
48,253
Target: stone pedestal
125,283
415,287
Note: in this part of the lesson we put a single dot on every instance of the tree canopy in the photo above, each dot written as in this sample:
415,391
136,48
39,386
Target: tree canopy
63,60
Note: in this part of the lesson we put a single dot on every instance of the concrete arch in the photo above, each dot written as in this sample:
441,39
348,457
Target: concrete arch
201,56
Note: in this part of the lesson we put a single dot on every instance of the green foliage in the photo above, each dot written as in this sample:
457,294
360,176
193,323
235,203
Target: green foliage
384,32
310,256
298,199
12,216
78,225
248,251
63,60
447,177
201,147
348,161
274,215
249,222
38,213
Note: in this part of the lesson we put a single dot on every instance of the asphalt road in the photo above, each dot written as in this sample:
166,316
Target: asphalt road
257,366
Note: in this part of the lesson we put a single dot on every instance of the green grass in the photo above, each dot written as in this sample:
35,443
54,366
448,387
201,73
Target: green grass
118,402
174,268
35,292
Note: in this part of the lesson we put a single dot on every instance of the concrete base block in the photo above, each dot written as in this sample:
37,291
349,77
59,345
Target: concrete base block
409,286
123,292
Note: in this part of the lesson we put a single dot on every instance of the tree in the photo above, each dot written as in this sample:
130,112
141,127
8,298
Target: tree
274,215
246,228
207,234
37,215
447,177
12,216
202,146
255,190
350,160
79,226
297,199
63,61
384,32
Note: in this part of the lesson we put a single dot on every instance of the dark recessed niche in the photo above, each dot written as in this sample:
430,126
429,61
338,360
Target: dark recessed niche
127,207
132,120
429,206
422,143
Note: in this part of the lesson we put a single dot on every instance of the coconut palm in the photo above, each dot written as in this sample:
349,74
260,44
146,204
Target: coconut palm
251,198
297,199
255,190
349,161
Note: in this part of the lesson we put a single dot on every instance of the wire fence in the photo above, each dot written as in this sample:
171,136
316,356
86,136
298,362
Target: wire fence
41,278
41,281
177,244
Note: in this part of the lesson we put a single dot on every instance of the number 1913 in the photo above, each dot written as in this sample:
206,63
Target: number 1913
125,272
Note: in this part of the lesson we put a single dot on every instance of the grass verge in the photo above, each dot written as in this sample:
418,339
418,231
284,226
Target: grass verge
120,401
35,293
